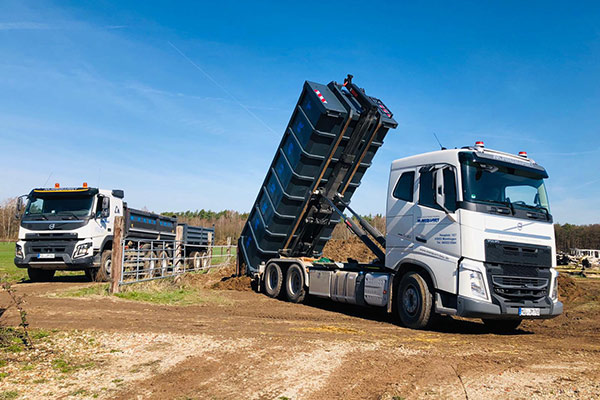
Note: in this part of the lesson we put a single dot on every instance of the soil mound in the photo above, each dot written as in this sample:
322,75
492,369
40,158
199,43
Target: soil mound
568,290
239,283
342,249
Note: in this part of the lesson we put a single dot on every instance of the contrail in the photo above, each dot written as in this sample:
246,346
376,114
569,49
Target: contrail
222,88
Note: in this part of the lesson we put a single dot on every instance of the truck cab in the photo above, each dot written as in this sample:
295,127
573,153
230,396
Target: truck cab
66,229
476,224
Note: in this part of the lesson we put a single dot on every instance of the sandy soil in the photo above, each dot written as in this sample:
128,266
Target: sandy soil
259,348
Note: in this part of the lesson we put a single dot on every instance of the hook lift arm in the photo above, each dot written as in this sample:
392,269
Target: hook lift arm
359,232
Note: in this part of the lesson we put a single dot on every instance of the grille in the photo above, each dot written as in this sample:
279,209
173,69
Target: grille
520,287
518,270
48,249
58,247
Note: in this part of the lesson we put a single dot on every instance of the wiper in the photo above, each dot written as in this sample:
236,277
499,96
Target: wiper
504,203
536,207
71,214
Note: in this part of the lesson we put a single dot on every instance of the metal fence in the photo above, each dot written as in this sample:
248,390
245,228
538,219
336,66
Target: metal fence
145,260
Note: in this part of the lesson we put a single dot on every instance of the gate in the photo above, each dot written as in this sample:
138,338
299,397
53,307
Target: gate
146,260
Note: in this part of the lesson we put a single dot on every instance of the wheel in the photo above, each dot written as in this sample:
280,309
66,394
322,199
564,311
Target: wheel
502,325
414,301
294,284
40,275
91,274
273,280
206,258
163,263
103,273
149,268
195,261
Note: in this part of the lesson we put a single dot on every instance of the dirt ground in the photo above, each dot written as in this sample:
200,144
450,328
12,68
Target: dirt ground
254,347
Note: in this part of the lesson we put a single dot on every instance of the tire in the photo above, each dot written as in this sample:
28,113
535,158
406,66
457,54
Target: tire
40,275
207,260
163,263
502,325
294,284
91,274
195,261
103,273
414,301
273,280
150,265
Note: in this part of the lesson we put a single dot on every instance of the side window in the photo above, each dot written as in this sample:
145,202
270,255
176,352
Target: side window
405,187
426,190
99,206
449,189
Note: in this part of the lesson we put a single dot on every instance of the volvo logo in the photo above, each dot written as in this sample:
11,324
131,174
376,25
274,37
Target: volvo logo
51,226
520,226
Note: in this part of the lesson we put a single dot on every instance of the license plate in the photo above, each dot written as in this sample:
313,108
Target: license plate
46,255
529,312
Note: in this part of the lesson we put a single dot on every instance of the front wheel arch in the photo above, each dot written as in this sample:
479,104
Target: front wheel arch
422,269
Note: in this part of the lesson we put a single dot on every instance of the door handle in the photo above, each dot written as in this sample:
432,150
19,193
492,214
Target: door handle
421,239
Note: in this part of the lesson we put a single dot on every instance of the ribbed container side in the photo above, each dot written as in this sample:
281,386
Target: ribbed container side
309,150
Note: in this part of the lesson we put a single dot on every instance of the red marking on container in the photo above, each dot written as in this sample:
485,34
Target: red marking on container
385,111
320,96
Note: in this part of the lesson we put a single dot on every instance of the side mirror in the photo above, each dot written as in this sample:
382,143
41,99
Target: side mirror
105,207
20,206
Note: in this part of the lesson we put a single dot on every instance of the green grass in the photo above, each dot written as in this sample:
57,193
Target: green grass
67,367
8,270
8,395
180,297
219,255
157,292
95,290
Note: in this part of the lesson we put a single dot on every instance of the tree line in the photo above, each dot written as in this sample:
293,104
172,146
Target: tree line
228,223
570,236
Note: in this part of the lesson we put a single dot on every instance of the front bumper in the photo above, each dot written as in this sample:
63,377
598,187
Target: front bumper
470,308
60,262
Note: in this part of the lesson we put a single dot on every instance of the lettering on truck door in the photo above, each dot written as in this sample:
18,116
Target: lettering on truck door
436,233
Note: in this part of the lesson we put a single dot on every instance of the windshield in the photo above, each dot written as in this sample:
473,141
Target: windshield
497,183
70,207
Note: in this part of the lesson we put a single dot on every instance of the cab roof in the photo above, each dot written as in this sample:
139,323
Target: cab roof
480,153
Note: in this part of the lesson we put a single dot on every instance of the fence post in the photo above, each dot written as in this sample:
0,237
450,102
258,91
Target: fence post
179,250
238,265
228,248
117,255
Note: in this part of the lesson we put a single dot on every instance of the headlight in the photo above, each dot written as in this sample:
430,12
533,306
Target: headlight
477,285
82,250
18,251
554,293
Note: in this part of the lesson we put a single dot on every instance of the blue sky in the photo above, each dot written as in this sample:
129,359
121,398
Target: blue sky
183,104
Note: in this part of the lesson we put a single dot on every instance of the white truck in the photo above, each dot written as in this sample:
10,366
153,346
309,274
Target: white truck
469,230
72,229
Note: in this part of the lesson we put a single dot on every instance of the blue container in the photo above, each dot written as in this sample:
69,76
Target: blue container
317,135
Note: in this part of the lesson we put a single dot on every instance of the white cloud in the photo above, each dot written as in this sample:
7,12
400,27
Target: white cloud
12,26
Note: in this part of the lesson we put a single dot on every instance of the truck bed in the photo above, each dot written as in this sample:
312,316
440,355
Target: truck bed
327,147
146,225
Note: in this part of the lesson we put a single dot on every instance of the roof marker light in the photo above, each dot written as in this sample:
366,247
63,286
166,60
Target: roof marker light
85,184
56,185
523,154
